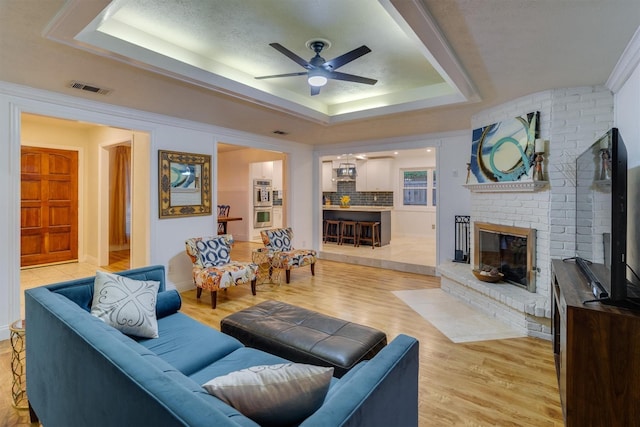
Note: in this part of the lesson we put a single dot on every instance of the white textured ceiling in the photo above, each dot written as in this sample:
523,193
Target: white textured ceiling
492,51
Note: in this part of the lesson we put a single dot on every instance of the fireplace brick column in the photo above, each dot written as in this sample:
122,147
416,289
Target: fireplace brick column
571,119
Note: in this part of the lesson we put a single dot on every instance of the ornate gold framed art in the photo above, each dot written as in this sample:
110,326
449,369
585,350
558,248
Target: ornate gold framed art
184,185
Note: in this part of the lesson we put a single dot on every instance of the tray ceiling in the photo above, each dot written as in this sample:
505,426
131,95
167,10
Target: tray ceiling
223,45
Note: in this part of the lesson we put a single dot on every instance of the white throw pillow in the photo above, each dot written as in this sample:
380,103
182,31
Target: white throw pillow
274,395
126,304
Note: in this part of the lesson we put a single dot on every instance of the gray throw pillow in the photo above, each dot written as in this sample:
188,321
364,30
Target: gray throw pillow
126,304
274,395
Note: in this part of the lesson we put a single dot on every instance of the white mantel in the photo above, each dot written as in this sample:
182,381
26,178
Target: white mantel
506,186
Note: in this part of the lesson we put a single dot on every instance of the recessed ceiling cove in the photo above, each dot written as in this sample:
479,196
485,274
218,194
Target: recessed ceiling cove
224,45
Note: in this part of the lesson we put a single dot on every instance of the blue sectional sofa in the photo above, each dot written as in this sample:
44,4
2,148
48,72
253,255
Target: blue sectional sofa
83,372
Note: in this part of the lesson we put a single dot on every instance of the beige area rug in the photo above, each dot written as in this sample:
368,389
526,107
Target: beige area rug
457,320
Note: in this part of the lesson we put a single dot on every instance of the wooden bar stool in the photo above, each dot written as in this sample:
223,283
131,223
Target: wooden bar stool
348,232
331,230
369,232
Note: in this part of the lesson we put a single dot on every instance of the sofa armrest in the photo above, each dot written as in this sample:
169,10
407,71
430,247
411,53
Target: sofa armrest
383,392
168,302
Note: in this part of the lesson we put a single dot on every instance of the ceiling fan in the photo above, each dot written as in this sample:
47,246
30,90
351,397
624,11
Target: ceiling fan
319,70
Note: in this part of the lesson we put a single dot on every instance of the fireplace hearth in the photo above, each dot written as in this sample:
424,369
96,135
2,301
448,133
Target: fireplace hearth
526,311
516,301
510,250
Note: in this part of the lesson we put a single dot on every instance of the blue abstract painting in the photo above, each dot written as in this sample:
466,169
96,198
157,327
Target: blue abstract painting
504,151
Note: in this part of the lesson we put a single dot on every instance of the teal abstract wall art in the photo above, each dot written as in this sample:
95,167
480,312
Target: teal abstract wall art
504,151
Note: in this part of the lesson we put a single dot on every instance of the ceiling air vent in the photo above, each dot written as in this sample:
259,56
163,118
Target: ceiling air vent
89,88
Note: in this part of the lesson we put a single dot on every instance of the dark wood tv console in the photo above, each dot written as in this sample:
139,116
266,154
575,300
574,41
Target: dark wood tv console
597,354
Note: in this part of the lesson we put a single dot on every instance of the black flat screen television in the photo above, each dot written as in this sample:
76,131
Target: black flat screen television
602,184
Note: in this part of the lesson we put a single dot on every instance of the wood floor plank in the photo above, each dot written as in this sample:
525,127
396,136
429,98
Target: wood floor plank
508,382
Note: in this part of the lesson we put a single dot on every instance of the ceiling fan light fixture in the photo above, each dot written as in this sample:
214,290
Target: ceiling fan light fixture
317,81
316,78
319,70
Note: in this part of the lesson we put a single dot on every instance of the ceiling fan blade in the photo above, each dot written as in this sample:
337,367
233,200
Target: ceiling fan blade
301,73
315,90
351,78
339,61
295,58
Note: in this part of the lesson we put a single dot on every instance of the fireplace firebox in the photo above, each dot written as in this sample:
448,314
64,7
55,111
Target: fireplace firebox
509,249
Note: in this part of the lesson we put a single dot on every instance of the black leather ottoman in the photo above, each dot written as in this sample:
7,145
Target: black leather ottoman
304,336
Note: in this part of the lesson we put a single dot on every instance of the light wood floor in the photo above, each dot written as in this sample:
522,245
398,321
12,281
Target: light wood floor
404,253
490,383
118,260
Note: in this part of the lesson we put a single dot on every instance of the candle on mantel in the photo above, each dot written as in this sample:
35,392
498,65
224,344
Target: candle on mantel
539,145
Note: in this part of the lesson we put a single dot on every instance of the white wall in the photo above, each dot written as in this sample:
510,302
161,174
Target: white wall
454,199
303,195
141,181
168,235
9,219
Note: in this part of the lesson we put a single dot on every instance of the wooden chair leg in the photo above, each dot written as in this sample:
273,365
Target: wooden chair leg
214,295
198,292
313,269
253,286
288,275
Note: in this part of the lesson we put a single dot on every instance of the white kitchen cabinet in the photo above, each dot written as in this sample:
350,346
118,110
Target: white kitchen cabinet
262,170
374,175
277,218
361,175
380,175
277,175
328,182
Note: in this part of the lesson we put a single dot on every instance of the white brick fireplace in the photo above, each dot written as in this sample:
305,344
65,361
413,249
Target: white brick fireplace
528,312
570,119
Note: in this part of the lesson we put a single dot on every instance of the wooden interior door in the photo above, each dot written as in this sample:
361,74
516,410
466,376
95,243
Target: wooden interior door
49,206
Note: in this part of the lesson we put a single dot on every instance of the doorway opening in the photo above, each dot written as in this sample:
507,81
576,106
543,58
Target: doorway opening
238,167
48,206
120,205
397,189
99,183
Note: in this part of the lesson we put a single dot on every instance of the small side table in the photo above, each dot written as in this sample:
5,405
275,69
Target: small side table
19,384
266,273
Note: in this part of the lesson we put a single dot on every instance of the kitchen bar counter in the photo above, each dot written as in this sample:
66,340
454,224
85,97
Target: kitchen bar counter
358,208
381,214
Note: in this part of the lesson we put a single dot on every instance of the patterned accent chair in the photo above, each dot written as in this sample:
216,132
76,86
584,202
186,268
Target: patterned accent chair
213,268
283,255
